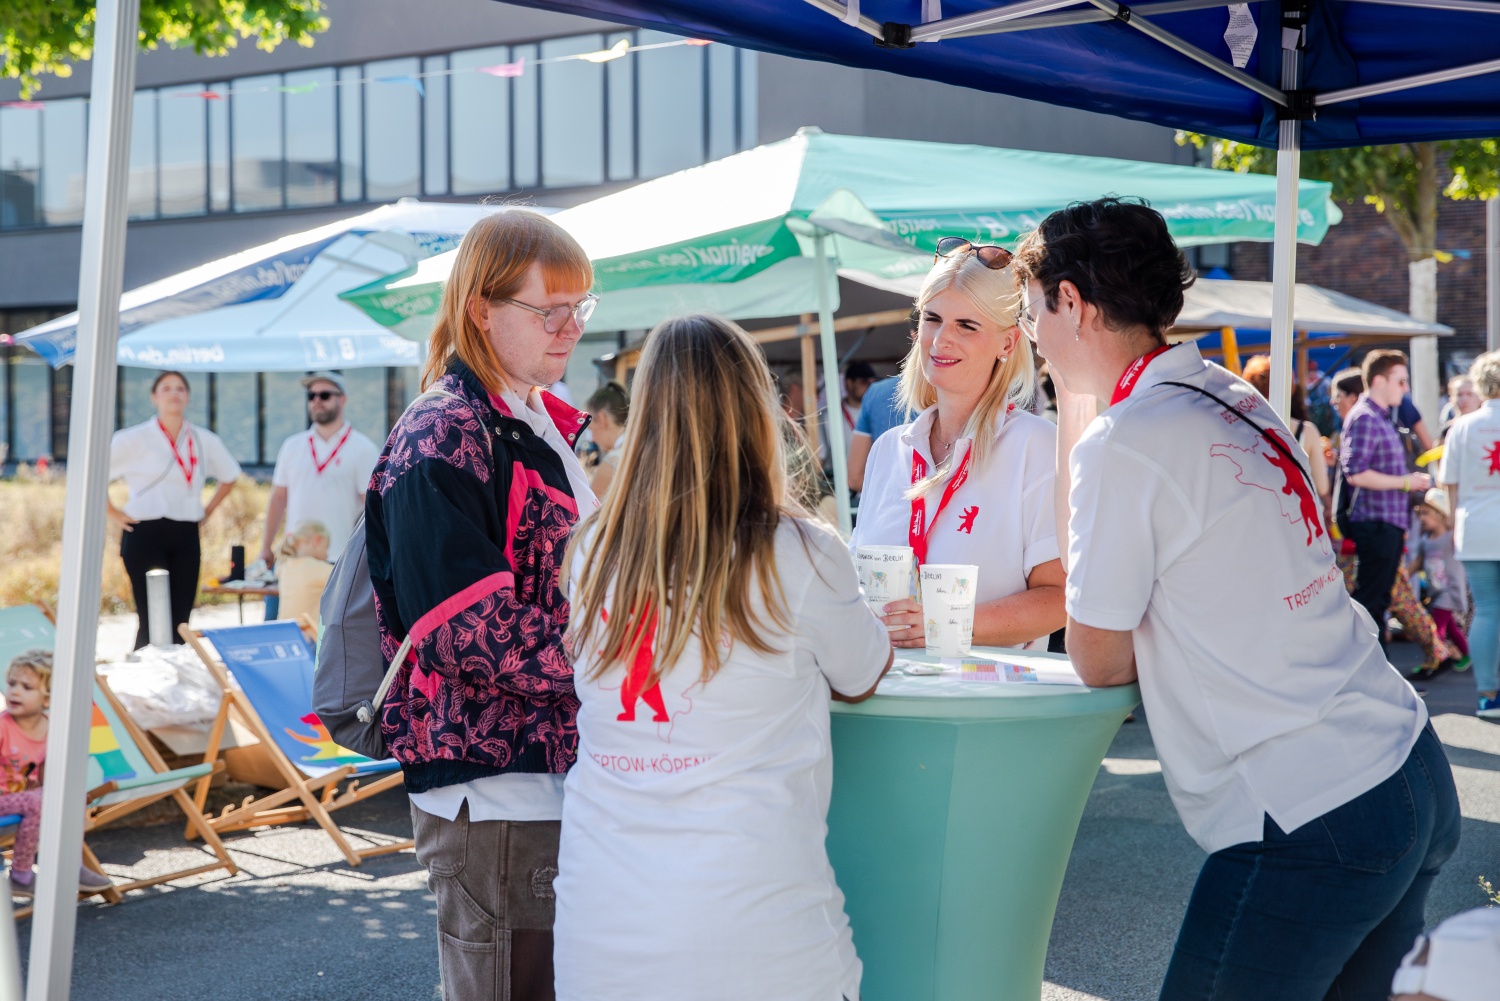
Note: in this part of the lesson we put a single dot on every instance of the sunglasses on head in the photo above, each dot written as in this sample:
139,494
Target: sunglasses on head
989,255
323,394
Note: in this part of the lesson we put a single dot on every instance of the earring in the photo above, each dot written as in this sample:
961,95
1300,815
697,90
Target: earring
1002,359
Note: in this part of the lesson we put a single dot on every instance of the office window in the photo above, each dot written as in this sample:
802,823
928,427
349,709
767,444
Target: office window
235,419
64,142
749,99
255,131
523,103
364,404
481,112
670,105
393,165
619,76
182,144
723,138
31,378
312,159
286,409
351,134
218,148
143,177
20,165
572,114
435,126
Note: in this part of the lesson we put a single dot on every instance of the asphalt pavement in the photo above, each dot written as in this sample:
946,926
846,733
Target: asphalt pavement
298,923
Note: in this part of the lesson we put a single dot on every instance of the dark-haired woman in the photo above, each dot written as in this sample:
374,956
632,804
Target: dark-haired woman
1297,757
610,409
165,462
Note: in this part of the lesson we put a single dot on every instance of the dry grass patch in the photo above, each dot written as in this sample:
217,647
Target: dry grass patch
31,523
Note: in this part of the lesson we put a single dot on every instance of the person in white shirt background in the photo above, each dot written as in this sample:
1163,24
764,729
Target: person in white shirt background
1470,472
321,473
971,479
692,862
1199,565
165,462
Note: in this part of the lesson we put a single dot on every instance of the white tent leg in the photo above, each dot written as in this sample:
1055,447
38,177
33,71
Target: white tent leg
1492,272
836,443
91,424
1284,249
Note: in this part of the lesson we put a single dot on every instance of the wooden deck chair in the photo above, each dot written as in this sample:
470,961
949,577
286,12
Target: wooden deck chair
273,664
125,772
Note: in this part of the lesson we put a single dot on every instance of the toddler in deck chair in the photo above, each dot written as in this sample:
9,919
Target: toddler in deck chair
23,749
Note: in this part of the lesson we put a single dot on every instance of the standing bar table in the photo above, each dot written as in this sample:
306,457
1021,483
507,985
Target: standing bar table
955,804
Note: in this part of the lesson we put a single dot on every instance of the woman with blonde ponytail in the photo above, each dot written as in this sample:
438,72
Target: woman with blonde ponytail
970,480
712,619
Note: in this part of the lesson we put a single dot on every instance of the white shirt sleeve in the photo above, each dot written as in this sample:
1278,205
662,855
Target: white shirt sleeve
364,459
872,497
848,642
119,453
1118,502
218,462
1038,517
281,476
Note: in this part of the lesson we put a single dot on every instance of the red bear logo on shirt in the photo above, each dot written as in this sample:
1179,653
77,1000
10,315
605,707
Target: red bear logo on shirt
967,524
1493,454
1281,476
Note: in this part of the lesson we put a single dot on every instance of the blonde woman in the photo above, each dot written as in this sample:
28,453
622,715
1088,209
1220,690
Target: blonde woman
970,480
692,863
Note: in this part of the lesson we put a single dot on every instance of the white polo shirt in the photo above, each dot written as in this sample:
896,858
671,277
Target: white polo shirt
1001,519
159,479
326,480
1264,681
1471,459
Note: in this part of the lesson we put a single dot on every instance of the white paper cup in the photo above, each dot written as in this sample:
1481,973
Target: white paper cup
948,607
885,574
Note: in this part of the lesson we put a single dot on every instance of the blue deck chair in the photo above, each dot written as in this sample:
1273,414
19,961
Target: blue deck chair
273,664
125,771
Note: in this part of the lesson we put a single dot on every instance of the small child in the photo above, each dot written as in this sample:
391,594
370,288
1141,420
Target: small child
1445,572
23,750
303,570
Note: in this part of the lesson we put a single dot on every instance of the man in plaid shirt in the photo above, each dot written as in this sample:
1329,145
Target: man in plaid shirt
1374,461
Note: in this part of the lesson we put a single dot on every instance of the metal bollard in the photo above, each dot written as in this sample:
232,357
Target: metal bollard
159,607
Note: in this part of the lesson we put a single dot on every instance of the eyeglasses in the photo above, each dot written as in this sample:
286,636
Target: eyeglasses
1026,319
555,318
989,255
323,394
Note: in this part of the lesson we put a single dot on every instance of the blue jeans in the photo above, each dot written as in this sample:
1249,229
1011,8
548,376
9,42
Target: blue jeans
1326,912
1484,634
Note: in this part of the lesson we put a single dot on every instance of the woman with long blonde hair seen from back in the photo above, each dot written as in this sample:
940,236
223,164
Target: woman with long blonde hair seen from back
970,480
711,620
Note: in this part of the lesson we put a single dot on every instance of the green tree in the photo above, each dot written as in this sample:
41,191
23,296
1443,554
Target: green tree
47,36
1403,182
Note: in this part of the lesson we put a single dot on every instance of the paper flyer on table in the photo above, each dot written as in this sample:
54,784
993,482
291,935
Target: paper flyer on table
1017,671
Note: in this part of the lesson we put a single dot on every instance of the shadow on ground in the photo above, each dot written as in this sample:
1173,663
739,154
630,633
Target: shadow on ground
296,923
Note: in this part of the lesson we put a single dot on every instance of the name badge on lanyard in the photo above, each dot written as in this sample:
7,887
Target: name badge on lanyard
920,530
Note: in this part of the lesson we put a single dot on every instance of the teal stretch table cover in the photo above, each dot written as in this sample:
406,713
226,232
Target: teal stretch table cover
955,805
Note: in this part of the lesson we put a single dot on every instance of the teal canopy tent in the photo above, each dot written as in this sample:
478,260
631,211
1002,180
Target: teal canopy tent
761,233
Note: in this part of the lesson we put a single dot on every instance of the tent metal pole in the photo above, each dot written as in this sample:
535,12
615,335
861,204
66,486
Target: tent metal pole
90,427
868,25
1284,245
1492,273
932,31
836,443
1088,17
1408,83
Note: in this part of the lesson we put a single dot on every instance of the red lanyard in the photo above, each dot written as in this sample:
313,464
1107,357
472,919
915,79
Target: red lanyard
1133,371
919,530
847,419
314,448
192,466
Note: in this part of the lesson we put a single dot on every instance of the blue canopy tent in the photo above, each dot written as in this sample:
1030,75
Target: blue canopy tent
1293,74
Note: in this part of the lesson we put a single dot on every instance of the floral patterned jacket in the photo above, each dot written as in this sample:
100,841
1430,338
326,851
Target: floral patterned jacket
466,520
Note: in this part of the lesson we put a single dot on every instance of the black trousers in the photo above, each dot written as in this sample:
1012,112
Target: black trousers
1378,545
162,544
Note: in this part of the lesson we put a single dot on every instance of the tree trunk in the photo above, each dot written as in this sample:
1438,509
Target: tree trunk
1422,269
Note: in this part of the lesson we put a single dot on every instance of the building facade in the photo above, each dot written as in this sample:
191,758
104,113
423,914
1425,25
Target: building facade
451,100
